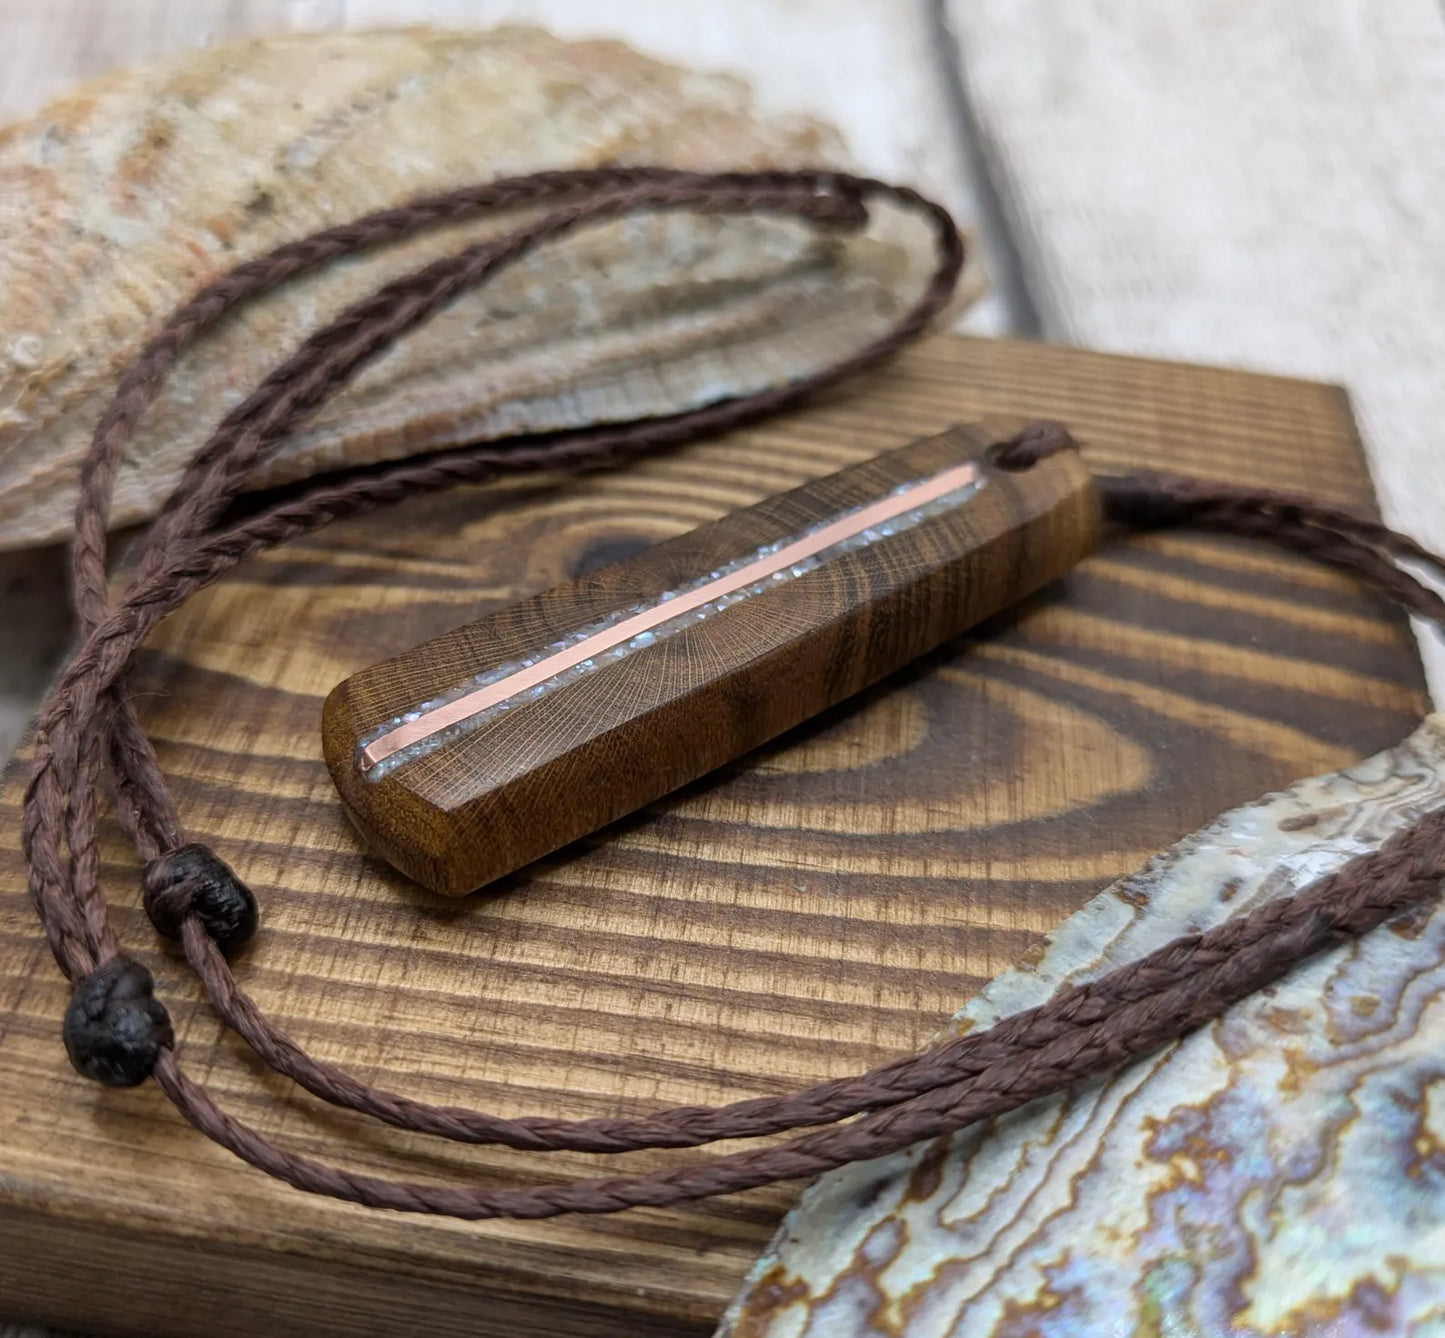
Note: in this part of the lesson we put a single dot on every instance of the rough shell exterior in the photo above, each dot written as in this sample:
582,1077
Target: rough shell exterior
1278,1173
119,200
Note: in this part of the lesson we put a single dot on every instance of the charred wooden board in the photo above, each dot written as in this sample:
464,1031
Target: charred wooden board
817,907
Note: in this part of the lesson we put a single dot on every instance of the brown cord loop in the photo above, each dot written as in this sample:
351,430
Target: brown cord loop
192,880
117,1032
1036,442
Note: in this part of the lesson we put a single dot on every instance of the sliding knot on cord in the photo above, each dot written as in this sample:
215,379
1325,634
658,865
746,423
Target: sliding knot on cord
115,1029
193,880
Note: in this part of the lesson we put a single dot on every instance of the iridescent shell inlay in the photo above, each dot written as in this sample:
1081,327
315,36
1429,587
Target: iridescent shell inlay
636,627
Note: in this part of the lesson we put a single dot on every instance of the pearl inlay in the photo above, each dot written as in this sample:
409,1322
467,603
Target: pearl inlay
625,631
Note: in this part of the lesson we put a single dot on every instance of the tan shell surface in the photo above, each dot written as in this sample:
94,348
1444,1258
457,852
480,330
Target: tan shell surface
1281,1172
119,200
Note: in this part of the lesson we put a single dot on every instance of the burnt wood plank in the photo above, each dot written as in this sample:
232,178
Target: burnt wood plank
809,910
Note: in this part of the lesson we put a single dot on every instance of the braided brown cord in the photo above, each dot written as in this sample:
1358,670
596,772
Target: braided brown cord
117,1032
333,354
328,359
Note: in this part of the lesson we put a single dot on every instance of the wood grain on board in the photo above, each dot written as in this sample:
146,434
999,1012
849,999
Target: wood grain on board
812,909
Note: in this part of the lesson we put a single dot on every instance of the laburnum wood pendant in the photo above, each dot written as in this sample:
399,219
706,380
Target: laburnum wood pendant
477,752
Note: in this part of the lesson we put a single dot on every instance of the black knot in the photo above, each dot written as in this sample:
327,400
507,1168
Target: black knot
1036,442
115,1029
191,880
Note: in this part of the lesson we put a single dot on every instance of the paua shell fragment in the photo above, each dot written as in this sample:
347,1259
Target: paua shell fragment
121,199
1281,1172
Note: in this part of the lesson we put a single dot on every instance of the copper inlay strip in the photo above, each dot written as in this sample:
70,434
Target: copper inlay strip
473,703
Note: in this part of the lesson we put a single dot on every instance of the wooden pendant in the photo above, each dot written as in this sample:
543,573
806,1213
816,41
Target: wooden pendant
475,753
